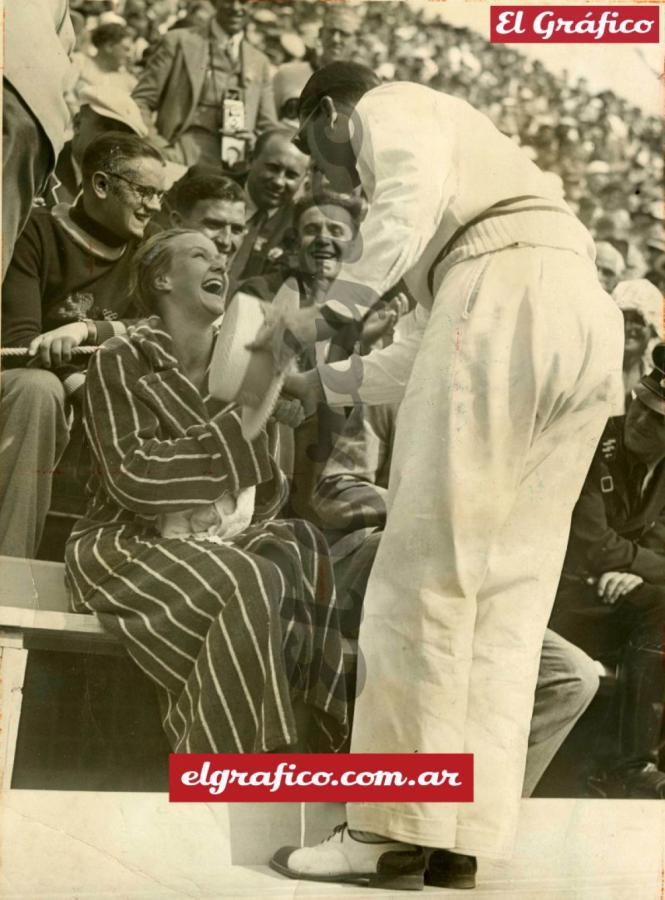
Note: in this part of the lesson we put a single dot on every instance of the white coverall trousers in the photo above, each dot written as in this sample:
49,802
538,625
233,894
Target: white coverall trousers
518,370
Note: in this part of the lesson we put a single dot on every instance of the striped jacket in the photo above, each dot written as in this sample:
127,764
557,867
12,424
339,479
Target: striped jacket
159,446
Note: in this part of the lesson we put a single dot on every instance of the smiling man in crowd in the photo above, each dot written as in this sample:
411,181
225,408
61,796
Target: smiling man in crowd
276,172
67,285
611,599
213,205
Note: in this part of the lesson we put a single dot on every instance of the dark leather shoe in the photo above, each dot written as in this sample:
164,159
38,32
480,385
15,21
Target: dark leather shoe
451,870
644,783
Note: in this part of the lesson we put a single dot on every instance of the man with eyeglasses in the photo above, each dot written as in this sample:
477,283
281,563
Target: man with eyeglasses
67,285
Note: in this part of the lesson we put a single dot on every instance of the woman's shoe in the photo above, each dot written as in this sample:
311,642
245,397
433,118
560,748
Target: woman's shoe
451,870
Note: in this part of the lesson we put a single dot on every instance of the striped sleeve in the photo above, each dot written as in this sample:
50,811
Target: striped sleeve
150,475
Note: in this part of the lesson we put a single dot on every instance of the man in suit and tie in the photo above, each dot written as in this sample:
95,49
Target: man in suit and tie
611,599
275,174
192,74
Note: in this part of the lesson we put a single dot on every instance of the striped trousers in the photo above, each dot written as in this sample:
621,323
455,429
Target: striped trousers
232,634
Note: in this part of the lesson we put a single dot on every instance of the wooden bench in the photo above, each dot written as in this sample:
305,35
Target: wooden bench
34,615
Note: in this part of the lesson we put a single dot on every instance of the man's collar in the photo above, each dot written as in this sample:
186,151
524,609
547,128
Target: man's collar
223,38
251,208
81,233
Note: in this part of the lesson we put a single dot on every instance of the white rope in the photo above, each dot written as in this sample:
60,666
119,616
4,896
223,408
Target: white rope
23,351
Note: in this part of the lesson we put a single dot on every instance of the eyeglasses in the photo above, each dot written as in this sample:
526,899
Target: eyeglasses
145,191
299,139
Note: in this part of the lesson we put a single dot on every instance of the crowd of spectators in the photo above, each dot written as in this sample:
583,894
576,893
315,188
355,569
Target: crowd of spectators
150,146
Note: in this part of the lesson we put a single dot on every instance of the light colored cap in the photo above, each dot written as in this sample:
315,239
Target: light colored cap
644,297
607,255
598,167
242,376
265,17
289,80
293,44
112,104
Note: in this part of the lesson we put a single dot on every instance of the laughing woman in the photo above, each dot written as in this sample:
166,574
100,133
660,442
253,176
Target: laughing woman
230,611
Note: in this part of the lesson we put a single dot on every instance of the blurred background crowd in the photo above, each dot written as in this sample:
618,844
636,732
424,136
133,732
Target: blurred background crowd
606,150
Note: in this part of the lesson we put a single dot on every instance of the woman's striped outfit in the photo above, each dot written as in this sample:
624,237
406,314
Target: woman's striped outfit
231,633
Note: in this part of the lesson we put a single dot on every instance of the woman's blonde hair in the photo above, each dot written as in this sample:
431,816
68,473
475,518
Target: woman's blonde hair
150,260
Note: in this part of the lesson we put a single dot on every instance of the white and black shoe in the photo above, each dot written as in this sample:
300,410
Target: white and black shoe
353,857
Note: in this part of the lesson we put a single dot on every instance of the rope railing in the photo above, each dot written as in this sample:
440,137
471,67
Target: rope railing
23,351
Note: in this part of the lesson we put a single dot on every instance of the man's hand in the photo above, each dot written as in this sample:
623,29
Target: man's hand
55,347
307,388
286,334
613,585
380,322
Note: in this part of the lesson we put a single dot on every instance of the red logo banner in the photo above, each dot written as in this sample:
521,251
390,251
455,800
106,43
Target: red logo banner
575,24
320,777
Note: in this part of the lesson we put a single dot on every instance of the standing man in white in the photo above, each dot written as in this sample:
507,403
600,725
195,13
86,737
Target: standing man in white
505,392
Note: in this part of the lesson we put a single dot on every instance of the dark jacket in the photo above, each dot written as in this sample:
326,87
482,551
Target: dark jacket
613,528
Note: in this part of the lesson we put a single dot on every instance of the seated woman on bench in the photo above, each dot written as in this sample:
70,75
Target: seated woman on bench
235,618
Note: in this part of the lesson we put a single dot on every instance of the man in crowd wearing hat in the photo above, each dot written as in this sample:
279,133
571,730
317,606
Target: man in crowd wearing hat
38,38
194,75
276,172
610,265
611,599
67,285
504,394
102,110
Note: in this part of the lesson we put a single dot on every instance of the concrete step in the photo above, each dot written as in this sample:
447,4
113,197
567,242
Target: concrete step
85,845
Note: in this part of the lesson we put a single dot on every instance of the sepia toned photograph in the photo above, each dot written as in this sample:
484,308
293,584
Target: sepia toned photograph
332,449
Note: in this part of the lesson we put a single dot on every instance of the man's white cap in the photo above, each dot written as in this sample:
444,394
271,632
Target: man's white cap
112,104
293,44
644,297
598,167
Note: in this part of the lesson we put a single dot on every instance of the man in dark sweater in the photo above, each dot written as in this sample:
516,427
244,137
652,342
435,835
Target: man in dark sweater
611,599
67,285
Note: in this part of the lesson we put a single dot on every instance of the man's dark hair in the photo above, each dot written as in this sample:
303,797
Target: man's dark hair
344,82
108,152
190,190
355,206
112,33
265,137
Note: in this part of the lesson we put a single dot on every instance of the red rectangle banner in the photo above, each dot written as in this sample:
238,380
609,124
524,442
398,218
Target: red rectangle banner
320,777
575,24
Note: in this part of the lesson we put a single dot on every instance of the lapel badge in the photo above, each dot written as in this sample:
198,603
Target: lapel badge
606,484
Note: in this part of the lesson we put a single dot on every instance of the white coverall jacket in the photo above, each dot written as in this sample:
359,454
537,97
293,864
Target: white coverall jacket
505,391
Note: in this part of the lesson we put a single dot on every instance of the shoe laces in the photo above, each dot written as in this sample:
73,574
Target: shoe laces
338,829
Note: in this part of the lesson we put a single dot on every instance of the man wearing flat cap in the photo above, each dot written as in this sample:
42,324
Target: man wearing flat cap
611,599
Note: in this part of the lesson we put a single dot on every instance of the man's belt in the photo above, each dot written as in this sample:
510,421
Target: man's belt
502,208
